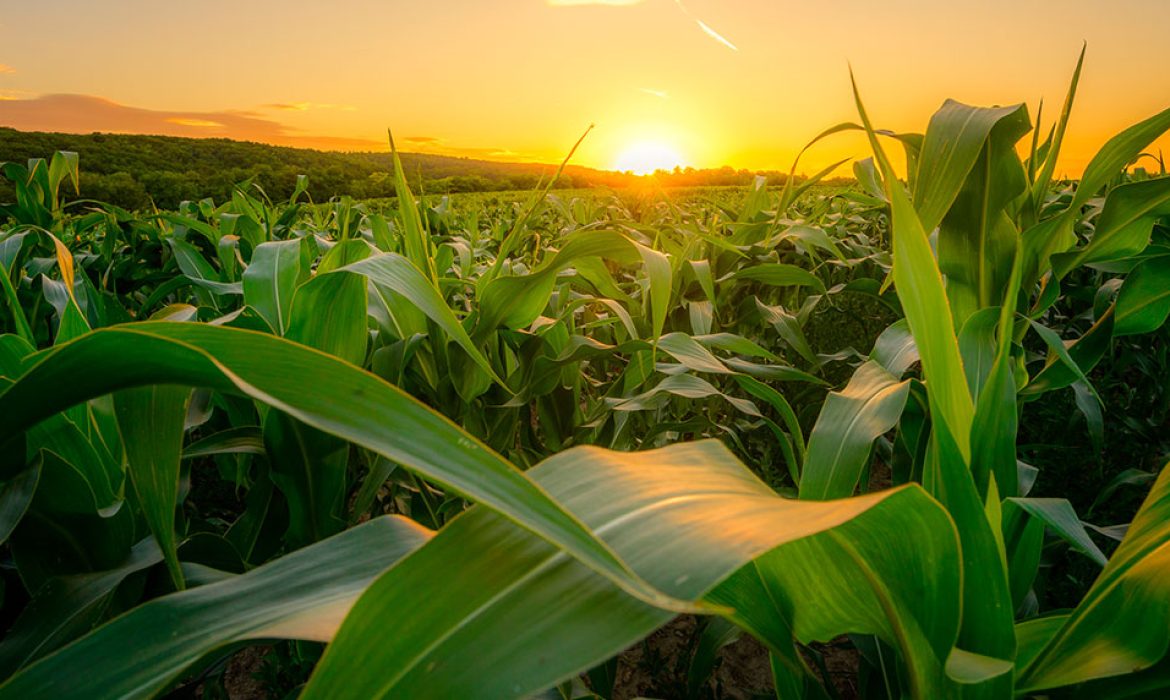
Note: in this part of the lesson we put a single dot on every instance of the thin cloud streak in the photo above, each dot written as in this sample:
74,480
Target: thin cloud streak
6,69
306,106
707,28
197,123
579,3
716,35
660,94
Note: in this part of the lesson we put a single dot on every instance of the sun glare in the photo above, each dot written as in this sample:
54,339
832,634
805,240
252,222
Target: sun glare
645,157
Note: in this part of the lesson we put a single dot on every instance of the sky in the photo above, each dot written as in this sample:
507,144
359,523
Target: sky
704,83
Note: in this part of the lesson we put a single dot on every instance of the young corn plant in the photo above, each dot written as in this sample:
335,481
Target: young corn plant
358,379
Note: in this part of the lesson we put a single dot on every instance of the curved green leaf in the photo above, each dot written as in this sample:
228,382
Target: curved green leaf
359,407
485,633
304,595
151,421
1123,623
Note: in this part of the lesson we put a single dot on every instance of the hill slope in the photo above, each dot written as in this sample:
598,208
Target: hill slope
133,170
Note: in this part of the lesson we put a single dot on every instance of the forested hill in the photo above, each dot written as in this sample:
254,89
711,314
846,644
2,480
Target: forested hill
134,170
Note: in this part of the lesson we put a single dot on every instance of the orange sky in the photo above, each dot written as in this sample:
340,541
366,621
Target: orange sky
738,82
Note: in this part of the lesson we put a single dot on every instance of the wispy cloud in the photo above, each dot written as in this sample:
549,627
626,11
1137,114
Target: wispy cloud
576,3
660,94
306,106
422,139
16,94
197,123
82,114
6,69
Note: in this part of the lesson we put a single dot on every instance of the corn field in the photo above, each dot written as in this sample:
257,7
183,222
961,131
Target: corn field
480,451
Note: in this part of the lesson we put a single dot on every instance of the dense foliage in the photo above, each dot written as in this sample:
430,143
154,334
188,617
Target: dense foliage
471,446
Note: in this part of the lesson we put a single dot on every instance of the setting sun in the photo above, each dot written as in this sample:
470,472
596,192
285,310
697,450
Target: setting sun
645,157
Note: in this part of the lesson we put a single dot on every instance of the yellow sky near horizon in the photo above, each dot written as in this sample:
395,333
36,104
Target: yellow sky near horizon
740,82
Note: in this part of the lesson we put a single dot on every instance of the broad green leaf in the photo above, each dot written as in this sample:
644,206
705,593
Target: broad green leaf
303,595
395,272
921,290
996,422
1023,538
15,496
735,344
81,477
1068,361
175,312
788,327
516,301
1144,300
977,237
811,236
345,253
762,391
63,164
978,346
894,349
660,279
329,313
691,353
1123,623
272,277
987,623
151,421
1058,514
702,270
480,633
199,271
1116,154
353,405
683,385
240,440
66,608
20,319
849,422
956,139
781,275
308,466
1123,228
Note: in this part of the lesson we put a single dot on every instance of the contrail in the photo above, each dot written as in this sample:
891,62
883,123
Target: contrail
706,27
625,3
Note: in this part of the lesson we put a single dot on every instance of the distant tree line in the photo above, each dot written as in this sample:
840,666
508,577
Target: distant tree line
136,171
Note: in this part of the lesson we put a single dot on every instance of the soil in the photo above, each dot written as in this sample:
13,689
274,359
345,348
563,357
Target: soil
654,668
657,667
240,679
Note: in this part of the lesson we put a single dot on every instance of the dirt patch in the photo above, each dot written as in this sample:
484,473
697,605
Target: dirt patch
839,660
657,666
240,679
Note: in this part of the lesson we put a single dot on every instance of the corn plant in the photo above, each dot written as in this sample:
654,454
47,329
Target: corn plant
462,442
